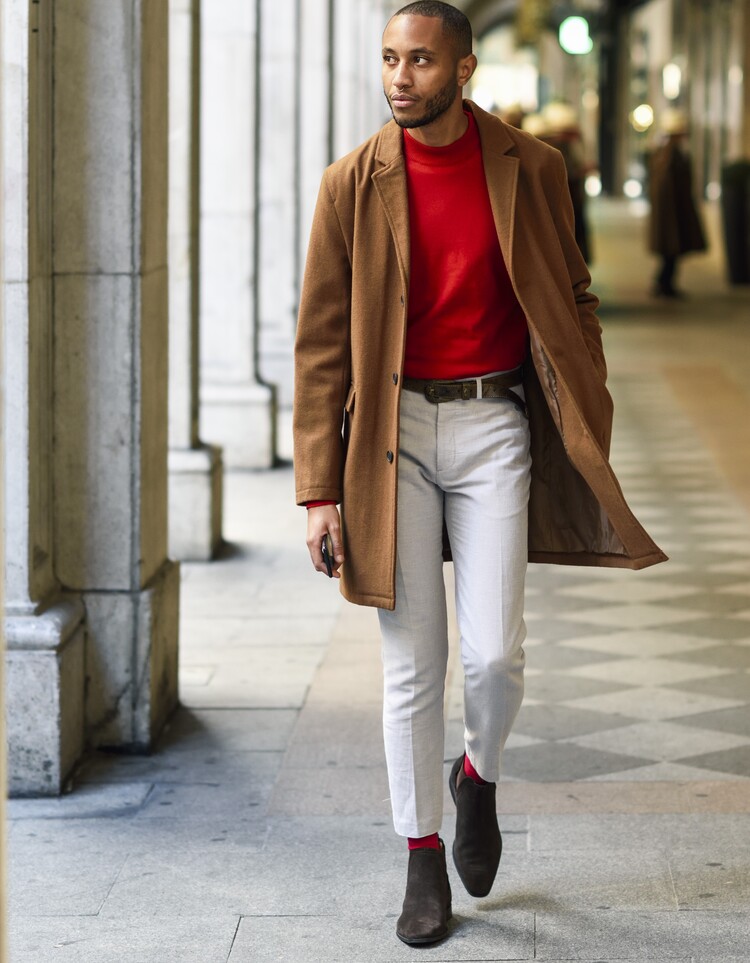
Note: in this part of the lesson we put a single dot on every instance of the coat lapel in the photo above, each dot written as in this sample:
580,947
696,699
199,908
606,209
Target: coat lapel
390,183
501,172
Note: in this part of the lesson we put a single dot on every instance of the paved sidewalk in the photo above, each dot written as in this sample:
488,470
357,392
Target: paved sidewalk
260,829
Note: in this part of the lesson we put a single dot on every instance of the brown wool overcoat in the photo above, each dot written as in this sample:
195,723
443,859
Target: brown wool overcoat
350,348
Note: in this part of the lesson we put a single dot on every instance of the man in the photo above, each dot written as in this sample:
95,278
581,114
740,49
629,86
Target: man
445,318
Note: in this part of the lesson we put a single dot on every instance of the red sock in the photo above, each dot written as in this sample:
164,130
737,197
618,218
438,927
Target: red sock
472,773
424,842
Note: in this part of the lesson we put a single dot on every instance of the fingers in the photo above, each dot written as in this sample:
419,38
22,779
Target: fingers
338,545
321,521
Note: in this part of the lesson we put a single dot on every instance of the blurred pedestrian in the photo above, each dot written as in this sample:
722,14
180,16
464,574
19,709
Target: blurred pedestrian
563,132
675,227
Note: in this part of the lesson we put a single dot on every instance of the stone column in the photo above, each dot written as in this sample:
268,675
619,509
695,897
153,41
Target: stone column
359,106
110,360
237,410
340,91
369,42
315,146
277,124
345,66
195,469
3,770
44,630
378,111
3,766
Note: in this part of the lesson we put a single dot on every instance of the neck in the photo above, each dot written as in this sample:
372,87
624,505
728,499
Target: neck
445,130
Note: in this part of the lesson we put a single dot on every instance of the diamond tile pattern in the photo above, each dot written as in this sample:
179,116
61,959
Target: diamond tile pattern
645,675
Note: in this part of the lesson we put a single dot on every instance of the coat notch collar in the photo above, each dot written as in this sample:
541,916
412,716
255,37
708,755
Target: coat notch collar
390,143
493,132
501,170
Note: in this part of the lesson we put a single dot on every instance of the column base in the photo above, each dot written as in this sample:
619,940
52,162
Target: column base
131,662
196,477
44,697
241,418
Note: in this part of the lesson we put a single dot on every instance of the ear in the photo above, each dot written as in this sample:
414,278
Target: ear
465,69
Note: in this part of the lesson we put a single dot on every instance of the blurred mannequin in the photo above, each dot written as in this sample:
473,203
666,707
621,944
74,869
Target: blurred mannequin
675,227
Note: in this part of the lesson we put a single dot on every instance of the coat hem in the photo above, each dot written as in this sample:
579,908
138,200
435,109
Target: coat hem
599,560
364,598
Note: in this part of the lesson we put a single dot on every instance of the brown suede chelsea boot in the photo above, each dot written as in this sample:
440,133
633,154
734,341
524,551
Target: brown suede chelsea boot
478,844
427,904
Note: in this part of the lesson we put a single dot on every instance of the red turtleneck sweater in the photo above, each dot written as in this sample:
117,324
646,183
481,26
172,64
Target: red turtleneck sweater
464,319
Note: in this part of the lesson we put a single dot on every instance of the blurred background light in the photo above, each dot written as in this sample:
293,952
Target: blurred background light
574,35
642,117
500,85
590,99
484,97
632,188
593,185
671,77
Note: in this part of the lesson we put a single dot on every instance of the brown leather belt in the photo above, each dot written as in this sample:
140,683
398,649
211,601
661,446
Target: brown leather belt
496,386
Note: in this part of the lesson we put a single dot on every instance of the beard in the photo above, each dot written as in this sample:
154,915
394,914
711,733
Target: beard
434,107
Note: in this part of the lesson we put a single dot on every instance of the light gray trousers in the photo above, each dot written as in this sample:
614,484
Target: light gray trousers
467,462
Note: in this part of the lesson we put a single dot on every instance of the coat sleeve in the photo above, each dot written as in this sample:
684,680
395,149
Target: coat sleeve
580,279
322,366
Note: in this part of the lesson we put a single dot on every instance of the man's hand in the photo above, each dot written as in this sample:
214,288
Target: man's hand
321,521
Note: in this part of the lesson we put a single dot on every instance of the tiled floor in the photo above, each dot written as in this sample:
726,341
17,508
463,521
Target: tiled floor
645,675
260,829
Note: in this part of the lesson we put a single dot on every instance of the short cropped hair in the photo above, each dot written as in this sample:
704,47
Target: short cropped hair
456,24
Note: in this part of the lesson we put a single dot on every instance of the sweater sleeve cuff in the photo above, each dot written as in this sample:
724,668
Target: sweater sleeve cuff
318,504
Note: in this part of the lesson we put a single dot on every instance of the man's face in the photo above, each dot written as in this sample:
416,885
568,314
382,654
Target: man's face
421,70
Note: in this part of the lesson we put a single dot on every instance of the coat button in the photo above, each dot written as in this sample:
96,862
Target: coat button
395,378
389,456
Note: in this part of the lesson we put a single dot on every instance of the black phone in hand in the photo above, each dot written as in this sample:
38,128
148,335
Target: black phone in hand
327,550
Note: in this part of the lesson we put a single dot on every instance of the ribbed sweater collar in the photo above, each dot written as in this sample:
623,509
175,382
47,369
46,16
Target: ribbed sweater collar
450,155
